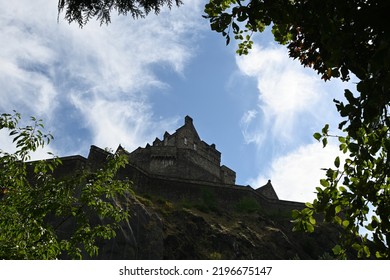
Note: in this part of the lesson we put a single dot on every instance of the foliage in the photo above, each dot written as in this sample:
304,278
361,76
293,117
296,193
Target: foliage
81,11
206,202
247,205
355,194
335,38
34,205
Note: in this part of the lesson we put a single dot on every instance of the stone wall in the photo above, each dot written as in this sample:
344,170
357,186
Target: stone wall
181,191
178,189
227,175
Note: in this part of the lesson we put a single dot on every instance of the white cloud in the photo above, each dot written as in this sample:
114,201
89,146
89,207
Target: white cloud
23,64
293,103
101,75
287,92
126,122
251,127
296,174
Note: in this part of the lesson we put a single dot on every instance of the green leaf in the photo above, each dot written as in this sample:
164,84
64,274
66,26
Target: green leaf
342,189
337,250
337,162
378,255
319,190
353,147
341,139
324,142
324,183
356,246
325,130
295,214
343,148
345,223
309,205
309,227
367,252
369,227
317,136
235,26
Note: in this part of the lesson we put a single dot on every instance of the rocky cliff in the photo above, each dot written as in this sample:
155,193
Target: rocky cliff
160,229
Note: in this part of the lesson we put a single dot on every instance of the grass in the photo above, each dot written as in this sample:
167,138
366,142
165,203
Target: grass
247,205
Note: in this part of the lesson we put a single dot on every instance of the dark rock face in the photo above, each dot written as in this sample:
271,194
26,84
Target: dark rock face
161,232
140,238
190,234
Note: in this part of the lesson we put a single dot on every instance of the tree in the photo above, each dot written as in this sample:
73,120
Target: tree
335,38
82,11
34,204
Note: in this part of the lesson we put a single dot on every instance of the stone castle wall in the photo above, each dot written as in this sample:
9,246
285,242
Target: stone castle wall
180,168
176,189
181,191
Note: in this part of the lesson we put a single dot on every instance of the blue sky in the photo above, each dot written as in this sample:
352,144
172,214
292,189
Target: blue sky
130,81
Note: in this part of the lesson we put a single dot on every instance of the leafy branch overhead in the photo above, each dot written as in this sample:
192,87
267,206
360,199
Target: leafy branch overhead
336,38
81,11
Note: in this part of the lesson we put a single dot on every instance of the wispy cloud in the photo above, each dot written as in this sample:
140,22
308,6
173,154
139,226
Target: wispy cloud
296,174
287,91
122,121
97,79
293,103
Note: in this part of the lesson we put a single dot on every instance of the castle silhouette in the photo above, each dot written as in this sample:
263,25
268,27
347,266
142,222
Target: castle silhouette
181,167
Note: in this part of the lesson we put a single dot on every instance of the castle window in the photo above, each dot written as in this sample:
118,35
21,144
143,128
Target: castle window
195,147
185,141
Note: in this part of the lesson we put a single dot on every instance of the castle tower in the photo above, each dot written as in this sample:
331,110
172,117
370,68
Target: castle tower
183,155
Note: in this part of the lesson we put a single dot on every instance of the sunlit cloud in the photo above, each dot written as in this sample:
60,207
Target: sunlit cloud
98,79
287,92
250,124
293,103
296,174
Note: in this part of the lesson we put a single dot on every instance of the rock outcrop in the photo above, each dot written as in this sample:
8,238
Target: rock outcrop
159,229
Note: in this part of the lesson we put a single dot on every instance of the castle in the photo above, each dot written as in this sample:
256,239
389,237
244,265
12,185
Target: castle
183,155
185,205
181,167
